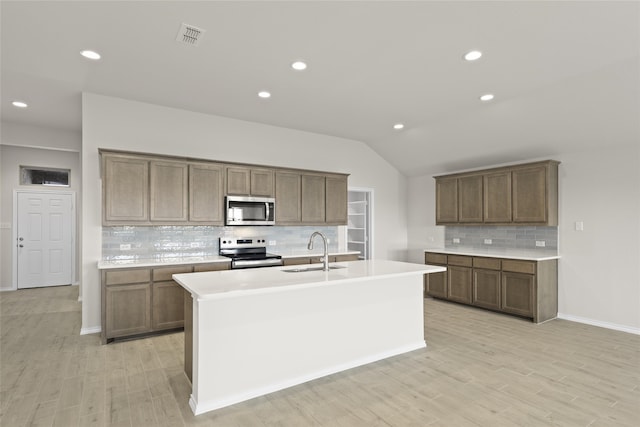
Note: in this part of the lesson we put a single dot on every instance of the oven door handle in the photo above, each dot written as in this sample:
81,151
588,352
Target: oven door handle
252,263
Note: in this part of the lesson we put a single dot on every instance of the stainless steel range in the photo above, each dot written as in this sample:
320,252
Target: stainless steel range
248,253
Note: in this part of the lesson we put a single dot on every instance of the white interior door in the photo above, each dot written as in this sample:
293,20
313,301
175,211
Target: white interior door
44,239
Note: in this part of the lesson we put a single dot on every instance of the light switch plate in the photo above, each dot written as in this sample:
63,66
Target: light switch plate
125,246
456,240
540,243
579,226
488,241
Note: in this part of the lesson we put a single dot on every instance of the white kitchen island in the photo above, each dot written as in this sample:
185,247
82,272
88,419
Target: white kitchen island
255,331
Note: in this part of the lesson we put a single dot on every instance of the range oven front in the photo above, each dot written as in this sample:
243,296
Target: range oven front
244,210
248,253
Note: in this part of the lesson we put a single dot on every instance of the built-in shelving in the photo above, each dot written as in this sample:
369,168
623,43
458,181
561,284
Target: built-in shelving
359,224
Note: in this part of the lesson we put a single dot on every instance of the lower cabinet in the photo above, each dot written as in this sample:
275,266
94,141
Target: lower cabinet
520,287
138,301
128,309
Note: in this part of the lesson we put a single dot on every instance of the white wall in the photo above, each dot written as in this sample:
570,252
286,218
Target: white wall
599,272
127,125
32,146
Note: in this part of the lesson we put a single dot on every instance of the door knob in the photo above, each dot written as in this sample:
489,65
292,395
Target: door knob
21,245
21,239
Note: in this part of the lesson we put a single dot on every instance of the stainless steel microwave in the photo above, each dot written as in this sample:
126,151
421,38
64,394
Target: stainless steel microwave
243,210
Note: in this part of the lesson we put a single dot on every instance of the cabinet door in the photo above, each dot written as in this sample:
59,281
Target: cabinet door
168,305
125,184
446,200
530,194
238,181
169,191
459,284
262,182
518,293
470,199
206,193
128,309
435,284
288,205
336,200
313,199
486,288
497,197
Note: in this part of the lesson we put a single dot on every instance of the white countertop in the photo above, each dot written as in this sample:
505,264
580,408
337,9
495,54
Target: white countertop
523,254
232,283
159,262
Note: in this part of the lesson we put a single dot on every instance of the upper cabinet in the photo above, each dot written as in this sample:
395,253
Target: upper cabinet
143,189
525,194
125,189
245,181
206,193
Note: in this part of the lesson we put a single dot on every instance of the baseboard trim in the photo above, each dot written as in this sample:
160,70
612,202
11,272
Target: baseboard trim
93,330
607,325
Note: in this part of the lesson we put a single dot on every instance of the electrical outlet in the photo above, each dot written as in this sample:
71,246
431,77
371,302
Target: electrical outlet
456,240
272,242
540,243
125,246
488,241
579,226
194,244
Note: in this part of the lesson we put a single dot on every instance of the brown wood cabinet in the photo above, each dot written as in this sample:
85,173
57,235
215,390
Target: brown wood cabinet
470,208
511,195
435,284
521,287
169,191
446,200
497,197
336,199
140,301
247,181
288,193
125,188
141,189
206,193
313,199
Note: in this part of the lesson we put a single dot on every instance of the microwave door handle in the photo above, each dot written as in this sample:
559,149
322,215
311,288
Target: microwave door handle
266,204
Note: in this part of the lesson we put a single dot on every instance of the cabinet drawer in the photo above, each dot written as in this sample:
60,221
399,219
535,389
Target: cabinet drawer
487,263
462,261
346,257
528,267
213,266
165,273
431,258
118,277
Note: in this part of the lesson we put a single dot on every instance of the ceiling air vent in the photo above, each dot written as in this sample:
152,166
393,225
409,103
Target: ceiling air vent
190,34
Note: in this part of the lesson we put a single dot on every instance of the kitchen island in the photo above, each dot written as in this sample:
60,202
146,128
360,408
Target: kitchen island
253,332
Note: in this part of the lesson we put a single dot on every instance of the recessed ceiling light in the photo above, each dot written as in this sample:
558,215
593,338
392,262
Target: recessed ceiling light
486,97
19,104
299,66
264,94
473,55
90,54
398,126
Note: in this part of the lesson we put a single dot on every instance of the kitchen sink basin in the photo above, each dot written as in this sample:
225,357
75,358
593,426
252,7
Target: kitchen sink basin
303,269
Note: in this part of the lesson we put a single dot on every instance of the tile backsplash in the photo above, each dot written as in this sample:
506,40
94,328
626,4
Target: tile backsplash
507,237
164,242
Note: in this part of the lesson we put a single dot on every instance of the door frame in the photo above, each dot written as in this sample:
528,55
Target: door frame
14,232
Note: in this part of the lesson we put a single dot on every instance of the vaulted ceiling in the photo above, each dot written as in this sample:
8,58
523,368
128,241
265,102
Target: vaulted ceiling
565,75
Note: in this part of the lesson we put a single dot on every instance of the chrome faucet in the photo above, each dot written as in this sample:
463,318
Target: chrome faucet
325,257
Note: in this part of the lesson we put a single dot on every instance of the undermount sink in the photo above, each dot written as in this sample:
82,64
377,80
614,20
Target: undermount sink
303,269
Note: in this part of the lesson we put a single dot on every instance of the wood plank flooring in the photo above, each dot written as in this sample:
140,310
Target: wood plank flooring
479,369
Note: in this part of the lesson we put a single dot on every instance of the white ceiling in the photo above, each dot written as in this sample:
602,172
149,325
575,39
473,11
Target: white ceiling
565,75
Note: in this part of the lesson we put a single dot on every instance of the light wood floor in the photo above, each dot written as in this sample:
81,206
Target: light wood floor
480,369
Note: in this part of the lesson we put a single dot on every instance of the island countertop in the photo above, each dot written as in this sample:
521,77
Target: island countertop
232,283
